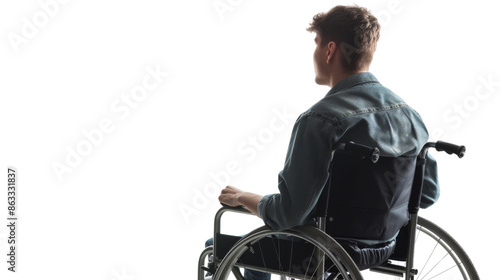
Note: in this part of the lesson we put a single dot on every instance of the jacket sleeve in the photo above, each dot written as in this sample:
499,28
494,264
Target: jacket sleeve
430,190
303,177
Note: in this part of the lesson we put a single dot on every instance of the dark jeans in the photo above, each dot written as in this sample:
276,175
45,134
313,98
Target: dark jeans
249,274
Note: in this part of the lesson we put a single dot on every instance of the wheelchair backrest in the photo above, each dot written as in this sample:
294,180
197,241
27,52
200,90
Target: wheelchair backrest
366,200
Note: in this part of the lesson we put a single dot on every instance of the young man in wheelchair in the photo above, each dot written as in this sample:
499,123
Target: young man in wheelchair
356,108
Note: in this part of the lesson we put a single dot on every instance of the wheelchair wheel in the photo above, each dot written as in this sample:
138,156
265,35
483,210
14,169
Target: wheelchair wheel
299,253
437,256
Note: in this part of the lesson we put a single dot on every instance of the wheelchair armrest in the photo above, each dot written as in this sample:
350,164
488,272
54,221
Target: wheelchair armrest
218,216
225,209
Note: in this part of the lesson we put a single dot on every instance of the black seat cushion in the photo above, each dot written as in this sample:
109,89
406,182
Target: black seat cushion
368,256
264,254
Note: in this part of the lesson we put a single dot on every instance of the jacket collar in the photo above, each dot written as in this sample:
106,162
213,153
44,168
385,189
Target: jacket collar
353,80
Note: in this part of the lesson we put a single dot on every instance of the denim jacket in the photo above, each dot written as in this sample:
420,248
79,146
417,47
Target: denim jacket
357,109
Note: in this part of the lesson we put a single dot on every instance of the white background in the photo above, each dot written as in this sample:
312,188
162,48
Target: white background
116,213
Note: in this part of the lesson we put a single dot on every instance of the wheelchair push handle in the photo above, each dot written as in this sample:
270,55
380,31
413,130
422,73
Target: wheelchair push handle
362,151
450,148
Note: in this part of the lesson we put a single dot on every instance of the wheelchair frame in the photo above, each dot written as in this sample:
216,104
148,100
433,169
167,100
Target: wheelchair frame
334,251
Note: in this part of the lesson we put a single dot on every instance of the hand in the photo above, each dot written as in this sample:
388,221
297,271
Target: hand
230,195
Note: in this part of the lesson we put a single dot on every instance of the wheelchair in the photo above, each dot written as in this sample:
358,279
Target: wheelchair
422,249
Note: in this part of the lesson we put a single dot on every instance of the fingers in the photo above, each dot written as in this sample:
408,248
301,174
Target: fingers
229,196
230,189
228,199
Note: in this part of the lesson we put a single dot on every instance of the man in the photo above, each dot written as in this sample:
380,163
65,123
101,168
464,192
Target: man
357,108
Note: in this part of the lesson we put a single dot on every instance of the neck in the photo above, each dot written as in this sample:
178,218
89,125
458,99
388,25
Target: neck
339,76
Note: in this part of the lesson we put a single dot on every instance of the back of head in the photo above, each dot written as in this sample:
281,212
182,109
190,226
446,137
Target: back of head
354,29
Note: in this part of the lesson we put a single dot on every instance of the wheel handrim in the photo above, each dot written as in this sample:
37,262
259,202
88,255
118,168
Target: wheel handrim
323,243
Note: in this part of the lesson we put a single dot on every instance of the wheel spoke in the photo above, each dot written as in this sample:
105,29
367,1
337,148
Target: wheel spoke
262,256
454,261
436,265
437,256
318,265
442,272
291,254
428,259
277,252
309,263
296,242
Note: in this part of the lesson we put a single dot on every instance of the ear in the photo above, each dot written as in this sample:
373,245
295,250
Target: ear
330,51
